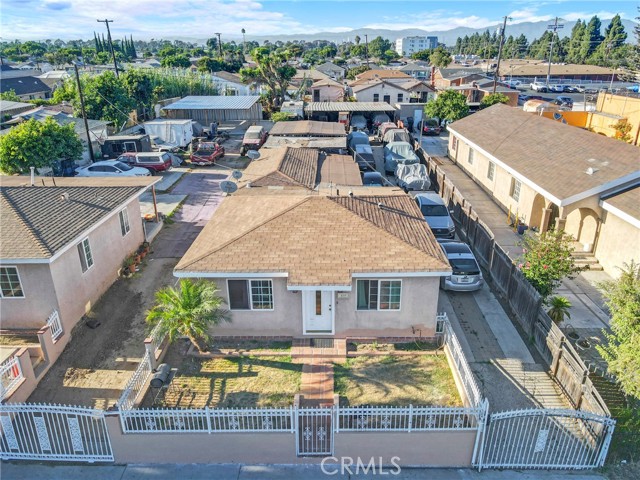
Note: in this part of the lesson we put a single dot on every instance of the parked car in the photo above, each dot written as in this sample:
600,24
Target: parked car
363,156
431,126
253,139
111,168
565,101
373,179
466,275
580,88
512,83
153,161
398,153
382,129
570,89
436,214
357,138
413,177
379,119
359,122
539,87
396,135
556,88
207,153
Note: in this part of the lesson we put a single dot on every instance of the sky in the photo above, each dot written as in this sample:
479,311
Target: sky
146,19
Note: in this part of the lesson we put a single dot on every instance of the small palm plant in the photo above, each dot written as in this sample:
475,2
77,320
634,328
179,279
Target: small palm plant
190,310
559,308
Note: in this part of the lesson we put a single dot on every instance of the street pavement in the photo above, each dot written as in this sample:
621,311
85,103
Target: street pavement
34,471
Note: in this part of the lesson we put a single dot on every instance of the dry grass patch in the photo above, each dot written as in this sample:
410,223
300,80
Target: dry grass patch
417,380
231,382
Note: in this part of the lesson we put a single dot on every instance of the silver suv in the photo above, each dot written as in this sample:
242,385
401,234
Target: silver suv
436,214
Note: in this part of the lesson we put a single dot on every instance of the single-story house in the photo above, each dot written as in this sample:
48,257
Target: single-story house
26,88
9,109
379,91
331,69
444,78
550,174
419,91
327,91
418,70
299,265
308,77
62,244
206,109
231,84
381,74
476,91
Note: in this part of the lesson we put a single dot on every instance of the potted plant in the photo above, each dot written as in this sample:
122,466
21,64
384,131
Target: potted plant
559,308
128,266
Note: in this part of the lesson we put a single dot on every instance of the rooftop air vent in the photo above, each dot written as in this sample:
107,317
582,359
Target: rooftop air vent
64,196
591,171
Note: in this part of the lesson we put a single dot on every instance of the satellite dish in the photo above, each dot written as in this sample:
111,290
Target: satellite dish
228,186
237,174
253,154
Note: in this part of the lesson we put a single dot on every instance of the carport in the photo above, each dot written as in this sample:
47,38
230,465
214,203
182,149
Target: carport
328,111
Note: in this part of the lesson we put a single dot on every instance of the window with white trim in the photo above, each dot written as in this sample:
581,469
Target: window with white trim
400,97
124,222
86,258
491,171
10,286
454,143
515,189
378,294
376,97
471,155
250,294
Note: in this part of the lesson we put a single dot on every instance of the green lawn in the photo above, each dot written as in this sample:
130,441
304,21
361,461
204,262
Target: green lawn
417,380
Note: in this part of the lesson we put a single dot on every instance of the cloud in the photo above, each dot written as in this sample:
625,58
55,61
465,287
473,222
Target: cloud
58,5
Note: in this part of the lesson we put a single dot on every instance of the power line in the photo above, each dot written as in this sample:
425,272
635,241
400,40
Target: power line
555,28
497,73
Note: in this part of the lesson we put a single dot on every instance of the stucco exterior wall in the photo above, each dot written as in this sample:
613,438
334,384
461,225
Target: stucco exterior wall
418,308
78,292
382,90
617,244
327,93
31,311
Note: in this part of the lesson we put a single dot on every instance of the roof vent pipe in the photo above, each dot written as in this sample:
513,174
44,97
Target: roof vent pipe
33,176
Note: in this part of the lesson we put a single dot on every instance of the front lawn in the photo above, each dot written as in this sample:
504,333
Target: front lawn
423,380
230,382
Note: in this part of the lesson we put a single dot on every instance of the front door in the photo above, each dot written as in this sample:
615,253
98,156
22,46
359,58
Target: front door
318,312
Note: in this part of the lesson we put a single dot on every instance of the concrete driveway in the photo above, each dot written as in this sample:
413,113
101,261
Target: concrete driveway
202,188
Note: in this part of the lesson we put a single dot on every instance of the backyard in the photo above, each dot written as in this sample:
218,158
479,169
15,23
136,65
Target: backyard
423,380
230,382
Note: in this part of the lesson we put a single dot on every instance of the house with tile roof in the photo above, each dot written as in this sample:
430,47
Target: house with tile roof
301,264
550,174
62,244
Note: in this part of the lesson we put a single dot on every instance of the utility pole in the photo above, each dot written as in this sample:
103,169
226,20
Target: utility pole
219,44
84,113
555,28
497,72
244,42
113,53
366,45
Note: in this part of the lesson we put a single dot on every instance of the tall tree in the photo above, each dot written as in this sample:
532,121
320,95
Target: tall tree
591,38
273,70
105,98
574,54
189,310
440,57
448,105
38,144
611,48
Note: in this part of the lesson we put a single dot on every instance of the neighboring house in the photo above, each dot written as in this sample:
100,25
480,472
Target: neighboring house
231,84
207,109
308,77
392,76
336,72
9,109
550,175
419,71
26,88
61,246
327,91
444,78
328,136
380,91
418,90
54,78
476,91
301,265
407,46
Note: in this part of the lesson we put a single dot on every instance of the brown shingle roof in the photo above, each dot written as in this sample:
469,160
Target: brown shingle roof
316,240
37,222
550,155
627,202
283,167
371,74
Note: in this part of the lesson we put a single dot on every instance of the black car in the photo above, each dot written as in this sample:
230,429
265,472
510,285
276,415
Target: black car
372,179
431,127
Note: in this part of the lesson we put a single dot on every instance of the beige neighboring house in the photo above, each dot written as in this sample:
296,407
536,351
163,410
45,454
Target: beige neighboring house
61,246
380,91
327,91
554,175
381,74
295,264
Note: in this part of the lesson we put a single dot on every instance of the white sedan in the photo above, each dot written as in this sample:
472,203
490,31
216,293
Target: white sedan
111,168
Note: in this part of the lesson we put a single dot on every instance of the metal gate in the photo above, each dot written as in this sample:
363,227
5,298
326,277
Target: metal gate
314,432
50,432
552,438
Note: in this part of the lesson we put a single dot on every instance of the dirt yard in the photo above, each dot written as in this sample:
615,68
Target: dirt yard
97,363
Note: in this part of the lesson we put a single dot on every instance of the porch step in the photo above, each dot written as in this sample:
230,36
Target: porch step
303,350
586,259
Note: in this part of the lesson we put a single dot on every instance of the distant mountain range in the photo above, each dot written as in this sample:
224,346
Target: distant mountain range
531,30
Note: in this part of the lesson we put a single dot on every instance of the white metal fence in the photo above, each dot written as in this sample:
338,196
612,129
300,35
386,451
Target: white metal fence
405,419
54,323
136,384
462,366
10,375
53,432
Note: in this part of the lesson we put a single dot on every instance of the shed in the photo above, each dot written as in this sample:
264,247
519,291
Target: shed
115,145
215,108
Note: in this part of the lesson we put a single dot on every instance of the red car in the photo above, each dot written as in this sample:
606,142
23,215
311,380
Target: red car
207,153
431,127
152,161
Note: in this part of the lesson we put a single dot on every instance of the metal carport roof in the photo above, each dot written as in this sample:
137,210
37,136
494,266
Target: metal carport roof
349,107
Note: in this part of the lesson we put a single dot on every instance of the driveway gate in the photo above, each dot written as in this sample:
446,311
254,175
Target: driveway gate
314,432
552,438
50,432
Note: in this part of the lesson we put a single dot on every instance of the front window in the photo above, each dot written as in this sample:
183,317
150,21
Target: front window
454,143
124,222
378,294
10,286
86,258
491,171
515,189
250,294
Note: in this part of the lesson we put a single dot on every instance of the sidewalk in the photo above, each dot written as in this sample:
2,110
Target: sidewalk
33,471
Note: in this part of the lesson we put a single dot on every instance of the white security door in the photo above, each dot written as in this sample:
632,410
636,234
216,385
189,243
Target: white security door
317,306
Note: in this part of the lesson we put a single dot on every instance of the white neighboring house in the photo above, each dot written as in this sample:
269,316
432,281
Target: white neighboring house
334,71
409,45
380,91
230,84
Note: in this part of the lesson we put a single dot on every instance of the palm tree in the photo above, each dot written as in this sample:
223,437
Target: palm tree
189,310
559,308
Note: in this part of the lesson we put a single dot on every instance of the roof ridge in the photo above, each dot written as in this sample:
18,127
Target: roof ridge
244,234
333,199
46,250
